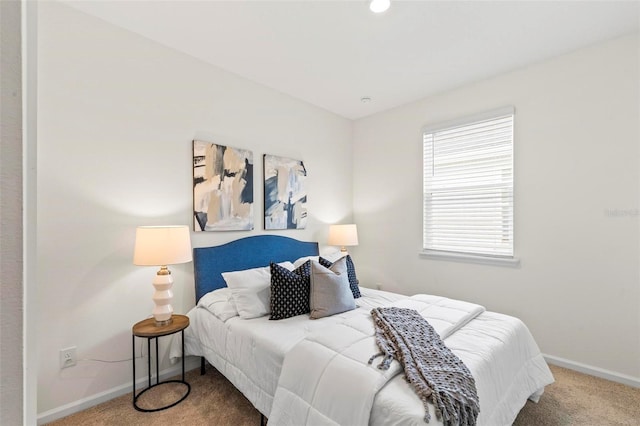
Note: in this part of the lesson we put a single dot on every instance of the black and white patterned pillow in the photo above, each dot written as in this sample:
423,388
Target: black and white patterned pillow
351,273
289,291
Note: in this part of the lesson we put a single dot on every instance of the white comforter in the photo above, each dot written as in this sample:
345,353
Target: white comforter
498,350
337,386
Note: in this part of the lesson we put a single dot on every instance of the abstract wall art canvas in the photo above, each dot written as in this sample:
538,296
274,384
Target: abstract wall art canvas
285,196
222,188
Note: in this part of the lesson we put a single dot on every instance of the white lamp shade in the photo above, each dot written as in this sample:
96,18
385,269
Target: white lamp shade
343,235
162,245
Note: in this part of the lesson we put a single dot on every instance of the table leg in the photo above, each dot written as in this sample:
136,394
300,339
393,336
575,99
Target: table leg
133,358
182,355
157,363
149,359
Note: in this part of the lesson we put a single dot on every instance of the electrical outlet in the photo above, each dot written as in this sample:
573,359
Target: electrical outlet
68,357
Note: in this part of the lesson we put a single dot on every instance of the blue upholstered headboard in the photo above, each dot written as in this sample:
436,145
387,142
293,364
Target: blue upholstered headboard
251,252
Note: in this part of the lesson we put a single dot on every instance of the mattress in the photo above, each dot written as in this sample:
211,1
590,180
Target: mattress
498,350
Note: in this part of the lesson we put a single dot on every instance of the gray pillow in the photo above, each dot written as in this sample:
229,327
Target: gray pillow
330,291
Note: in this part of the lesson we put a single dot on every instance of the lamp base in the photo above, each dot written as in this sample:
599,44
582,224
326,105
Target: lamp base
163,322
162,297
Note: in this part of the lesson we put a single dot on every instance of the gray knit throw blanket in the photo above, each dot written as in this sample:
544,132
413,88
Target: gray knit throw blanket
436,374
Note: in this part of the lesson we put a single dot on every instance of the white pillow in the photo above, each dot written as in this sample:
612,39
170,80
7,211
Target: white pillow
251,290
220,303
332,254
300,261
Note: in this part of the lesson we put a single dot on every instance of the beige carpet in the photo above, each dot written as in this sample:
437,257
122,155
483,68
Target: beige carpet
579,399
575,399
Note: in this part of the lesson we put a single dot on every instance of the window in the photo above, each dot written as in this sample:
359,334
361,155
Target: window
468,186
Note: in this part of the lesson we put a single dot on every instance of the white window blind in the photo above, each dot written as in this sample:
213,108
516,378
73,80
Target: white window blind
468,186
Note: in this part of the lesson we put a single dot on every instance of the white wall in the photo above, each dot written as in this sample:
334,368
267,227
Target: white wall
116,117
11,386
576,161
117,114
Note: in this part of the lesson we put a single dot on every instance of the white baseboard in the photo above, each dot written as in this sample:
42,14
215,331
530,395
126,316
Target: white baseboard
593,371
191,363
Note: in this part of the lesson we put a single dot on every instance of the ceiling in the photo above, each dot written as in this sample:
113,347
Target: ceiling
333,53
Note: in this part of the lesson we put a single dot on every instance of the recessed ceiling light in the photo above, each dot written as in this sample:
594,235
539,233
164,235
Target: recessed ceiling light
365,100
379,6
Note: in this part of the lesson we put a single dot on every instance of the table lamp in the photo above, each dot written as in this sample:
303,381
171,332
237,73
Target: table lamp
162,246
343,235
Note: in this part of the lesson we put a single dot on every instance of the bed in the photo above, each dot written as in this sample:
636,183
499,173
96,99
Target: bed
263,358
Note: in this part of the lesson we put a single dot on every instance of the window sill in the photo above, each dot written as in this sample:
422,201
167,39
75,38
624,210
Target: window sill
512,262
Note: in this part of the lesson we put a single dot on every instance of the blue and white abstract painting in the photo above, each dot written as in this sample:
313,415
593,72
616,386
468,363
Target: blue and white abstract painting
222,188
285,196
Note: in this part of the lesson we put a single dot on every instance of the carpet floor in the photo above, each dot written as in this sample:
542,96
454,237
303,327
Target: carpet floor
574,399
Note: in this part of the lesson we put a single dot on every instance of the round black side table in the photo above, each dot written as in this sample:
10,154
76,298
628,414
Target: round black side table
149,330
